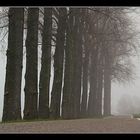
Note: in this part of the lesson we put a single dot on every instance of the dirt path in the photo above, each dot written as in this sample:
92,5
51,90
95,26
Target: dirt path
106,125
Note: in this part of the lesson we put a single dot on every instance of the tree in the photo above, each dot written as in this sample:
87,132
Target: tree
85,78
58,65
44,85
77,61
31,75
12,93
107,84
85,63
92,106
100,83
67,99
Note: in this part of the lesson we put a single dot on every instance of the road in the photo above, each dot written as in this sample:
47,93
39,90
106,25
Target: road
119,124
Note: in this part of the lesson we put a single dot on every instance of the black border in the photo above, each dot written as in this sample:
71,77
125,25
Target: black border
70,3
66,136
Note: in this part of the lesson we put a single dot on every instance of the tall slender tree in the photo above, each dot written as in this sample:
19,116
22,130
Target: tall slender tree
58,64
93,82
85,65
77,61
100,84
67,101
107,84
12,93
85,87
31,75
44,85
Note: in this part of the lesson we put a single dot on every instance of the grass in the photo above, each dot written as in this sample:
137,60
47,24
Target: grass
37,120
31,120
136,115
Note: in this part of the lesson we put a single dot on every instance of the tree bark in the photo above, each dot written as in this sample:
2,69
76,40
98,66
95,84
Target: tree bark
44,85
85,79
100,85
92,102
12,92
67,101
58,65
31,76
107,85
77,61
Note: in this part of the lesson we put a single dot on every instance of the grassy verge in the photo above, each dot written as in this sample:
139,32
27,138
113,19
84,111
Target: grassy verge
136,115
32,120
37,120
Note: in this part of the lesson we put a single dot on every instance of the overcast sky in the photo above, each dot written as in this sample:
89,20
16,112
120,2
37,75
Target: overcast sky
131,89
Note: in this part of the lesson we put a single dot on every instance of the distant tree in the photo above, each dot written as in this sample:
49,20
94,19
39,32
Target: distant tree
126,106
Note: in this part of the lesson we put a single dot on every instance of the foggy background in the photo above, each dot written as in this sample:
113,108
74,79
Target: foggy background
125,98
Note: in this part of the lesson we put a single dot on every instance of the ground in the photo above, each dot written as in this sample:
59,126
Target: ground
119,124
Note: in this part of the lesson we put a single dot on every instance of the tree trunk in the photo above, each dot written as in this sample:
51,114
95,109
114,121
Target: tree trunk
85,65
44,85
100,86
31,76
92,103
107,86
58,65
12,93
67,101
77,61
85,80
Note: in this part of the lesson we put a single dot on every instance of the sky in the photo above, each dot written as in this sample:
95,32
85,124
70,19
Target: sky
118,90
